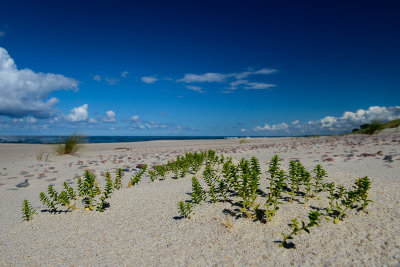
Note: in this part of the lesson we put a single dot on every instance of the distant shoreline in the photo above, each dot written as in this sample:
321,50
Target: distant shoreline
41,139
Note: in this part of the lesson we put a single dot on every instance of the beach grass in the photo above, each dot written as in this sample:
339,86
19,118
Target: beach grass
71,144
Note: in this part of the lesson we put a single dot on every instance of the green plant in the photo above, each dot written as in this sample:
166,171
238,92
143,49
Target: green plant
319,176
27,210
210,179
276,187
54,199
70,191
161,170
118,179
71,144
198,193
137,177
106,194
313,217
305,177
185,209
88,188
47,201
331,197
362,187
152,175
294,179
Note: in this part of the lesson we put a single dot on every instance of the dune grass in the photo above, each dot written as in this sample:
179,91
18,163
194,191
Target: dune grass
71,144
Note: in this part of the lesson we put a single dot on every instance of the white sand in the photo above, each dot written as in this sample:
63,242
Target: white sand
140,228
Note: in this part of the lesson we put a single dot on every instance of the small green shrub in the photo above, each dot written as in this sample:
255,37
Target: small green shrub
313,217
27,210
185,209
198,193
118,178
137,177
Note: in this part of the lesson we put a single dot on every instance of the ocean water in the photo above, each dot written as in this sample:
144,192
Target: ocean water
14,139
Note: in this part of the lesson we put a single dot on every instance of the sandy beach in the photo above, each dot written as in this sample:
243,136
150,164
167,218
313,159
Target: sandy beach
142,226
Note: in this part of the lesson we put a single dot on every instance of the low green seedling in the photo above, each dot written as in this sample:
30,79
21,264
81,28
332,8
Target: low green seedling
198,194
118,179
185,209
27,210
137,177
313,217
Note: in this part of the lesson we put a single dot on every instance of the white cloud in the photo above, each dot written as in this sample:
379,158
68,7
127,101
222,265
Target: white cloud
234,85
221,77
245,74
258,86
206,77
135,118
24,92
328,121
91,120
124,74
242,130
274,127
195,88
97,78
110,116
149,79
332,125
150,125
78,114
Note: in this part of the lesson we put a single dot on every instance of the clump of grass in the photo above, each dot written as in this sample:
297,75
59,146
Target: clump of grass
71,144
243,141
42,156
27,210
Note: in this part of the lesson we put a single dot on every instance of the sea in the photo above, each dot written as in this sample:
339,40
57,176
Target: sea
35,139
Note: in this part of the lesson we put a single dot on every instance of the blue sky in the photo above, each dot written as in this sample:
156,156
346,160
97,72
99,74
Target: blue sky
252,68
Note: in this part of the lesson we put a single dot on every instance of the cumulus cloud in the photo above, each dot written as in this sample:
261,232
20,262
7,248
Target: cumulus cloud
78,114
110,116
195,88
135,118
331,124
124,74
149,79
25,92
274,127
